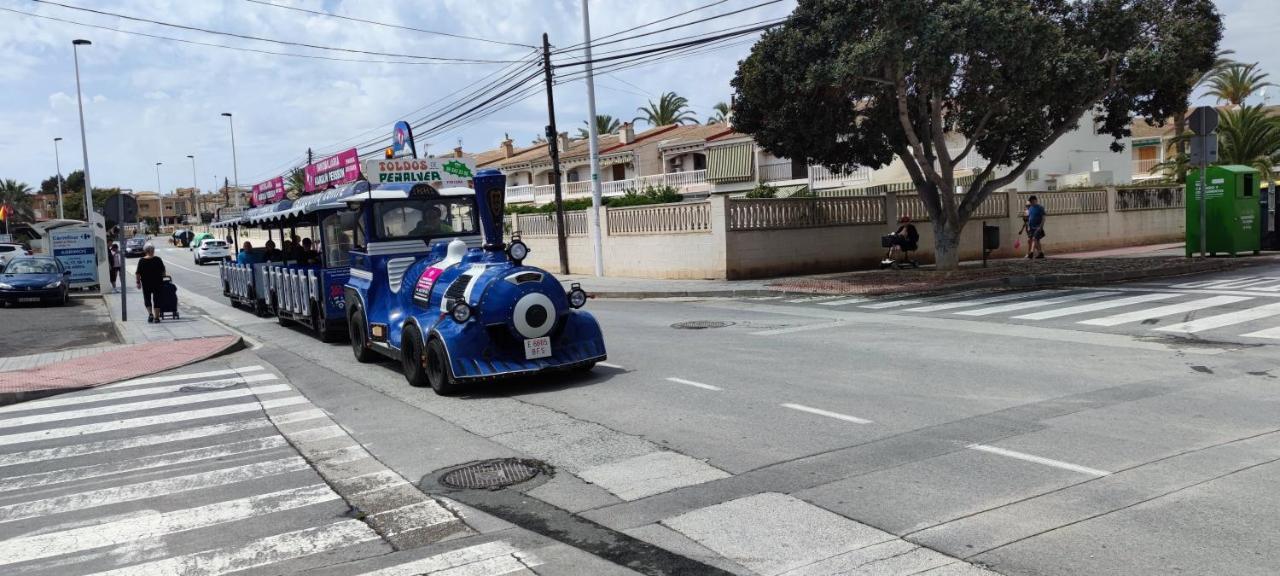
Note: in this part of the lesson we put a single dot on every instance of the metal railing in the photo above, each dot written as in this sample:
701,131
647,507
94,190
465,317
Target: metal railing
540,224
779,171
660,219
781,213
545,193
1154,198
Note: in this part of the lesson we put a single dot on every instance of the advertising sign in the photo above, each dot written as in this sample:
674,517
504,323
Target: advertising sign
439,172
402,140
268,192
73,246
333,171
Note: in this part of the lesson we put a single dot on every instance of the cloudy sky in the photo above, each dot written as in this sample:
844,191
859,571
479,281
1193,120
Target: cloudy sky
150,100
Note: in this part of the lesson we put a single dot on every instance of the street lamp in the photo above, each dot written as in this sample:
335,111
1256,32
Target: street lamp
195,186
58,164
235,169
84,144
160,194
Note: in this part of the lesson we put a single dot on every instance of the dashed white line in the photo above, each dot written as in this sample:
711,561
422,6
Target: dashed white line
1038,460
827,413
694,384
176,265
801,328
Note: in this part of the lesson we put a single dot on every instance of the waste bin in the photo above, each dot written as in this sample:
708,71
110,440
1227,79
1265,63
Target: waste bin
1233,212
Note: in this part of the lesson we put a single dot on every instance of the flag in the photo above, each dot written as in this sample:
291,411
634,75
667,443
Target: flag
5,210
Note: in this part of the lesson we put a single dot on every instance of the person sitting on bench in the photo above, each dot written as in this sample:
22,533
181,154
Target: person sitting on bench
905,240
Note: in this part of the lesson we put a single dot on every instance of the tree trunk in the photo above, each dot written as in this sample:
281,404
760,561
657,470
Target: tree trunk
946,244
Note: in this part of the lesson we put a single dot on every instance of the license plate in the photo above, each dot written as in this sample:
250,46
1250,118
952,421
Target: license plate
537,348
37,300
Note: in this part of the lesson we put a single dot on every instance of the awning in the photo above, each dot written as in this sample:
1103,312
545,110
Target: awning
730,163
262,214
334,199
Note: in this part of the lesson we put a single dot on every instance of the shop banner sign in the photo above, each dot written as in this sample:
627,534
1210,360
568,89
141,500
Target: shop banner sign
333,171
438,172
268,192
73,246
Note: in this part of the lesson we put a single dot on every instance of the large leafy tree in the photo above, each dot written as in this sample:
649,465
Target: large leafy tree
17,195
1251,137
671,108
1236,82
931,82
605,124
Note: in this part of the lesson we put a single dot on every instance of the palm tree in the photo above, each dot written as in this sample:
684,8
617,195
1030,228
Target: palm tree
1236,82
17,195
722,113
296,185
1249,136
605,124
1176,168
670,109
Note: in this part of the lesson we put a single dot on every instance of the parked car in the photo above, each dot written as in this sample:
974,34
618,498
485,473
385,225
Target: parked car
134,246
199,239
34,279
211,249
8,251
182,237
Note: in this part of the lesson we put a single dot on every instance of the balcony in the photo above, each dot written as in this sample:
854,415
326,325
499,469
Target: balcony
545,193
781,171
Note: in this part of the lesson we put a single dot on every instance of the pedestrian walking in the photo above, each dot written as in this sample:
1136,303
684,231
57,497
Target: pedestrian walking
150,276
1035,228
115,259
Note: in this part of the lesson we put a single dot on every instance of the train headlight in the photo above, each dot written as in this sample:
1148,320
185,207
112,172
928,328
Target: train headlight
517,250
577,297
461,312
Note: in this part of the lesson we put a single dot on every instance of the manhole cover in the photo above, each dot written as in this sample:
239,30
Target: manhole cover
492,474
701,324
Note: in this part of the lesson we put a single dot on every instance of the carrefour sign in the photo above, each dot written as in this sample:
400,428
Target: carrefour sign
439,172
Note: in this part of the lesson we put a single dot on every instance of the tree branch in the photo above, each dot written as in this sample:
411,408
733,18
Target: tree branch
904,118
978,133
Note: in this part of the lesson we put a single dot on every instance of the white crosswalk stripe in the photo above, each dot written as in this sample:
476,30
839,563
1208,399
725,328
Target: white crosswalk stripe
890,304
974,302
176,377
1023,305
1272,333
79,399
140,406
83,449
1096,306
1223,320
1162,311
488,559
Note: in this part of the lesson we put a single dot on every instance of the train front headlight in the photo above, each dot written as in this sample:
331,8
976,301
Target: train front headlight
517,250
461,312
577,296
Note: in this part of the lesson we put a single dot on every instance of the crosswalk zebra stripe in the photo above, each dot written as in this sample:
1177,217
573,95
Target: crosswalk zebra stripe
127,407
142,421
468,556
1096,306
890,304
43,479
1162,311
80,399
299,416
176,377
974,302
156,525
261,552
842,302
811,299
1273,333
72,450
1015,306
149,489
1222,320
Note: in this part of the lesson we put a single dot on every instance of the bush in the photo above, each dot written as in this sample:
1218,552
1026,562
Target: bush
763,191
650,195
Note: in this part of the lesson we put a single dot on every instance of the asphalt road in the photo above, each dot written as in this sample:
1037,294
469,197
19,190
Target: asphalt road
1055,432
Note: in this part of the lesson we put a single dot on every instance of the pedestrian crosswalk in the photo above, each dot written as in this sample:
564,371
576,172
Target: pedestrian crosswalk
185,474
1246,308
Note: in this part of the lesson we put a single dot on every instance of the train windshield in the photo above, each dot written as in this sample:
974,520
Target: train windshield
425,218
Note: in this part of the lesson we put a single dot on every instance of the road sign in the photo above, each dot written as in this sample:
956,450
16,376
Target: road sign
112,208
1204,150
1204,120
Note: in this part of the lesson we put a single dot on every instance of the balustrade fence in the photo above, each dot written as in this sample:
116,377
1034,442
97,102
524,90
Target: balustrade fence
780,213
545,193
1153,198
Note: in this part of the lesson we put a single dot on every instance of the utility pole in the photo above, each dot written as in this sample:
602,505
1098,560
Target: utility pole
553,140
58,164
160,194
195,186
596,194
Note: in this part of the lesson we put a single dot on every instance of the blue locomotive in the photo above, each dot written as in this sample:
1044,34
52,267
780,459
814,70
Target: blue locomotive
433,285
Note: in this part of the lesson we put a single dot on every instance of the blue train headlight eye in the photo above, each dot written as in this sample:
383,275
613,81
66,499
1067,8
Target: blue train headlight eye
517,250
577,297
461,312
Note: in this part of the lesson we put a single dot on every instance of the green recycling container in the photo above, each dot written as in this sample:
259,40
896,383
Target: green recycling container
1233,210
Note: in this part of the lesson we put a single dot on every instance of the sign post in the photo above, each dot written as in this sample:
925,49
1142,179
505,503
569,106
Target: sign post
1204,151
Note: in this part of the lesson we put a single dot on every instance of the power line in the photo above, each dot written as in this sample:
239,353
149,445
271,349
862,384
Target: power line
595,44
651,23
225,47
745,28
271,40
676,46
376,23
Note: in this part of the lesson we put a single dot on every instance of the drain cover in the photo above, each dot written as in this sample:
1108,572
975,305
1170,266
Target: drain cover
492,474
701,324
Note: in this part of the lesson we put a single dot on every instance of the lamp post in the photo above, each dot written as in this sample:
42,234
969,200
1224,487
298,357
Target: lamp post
160,194
57,162
195,186
84,144
235,169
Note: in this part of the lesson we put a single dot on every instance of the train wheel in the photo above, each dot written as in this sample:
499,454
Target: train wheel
320,325
439,373
413,359
359,339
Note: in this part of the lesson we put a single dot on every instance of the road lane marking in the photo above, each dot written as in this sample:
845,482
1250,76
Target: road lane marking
490,558
69,451
127,407
1222,320
1038,460
1161,311
610,365
842,302
176,265
828,414
151,524
793,329
78,473
1096,306
150,489
255,554
1015,306
317,434
117,425
695,384
975,302
414,516
890,304
76,399
176,377
1273,333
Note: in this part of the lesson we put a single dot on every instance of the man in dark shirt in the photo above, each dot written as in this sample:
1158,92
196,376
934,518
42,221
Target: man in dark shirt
1035,227
150,277
905,239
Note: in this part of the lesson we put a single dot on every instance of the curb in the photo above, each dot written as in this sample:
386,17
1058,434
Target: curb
7,398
